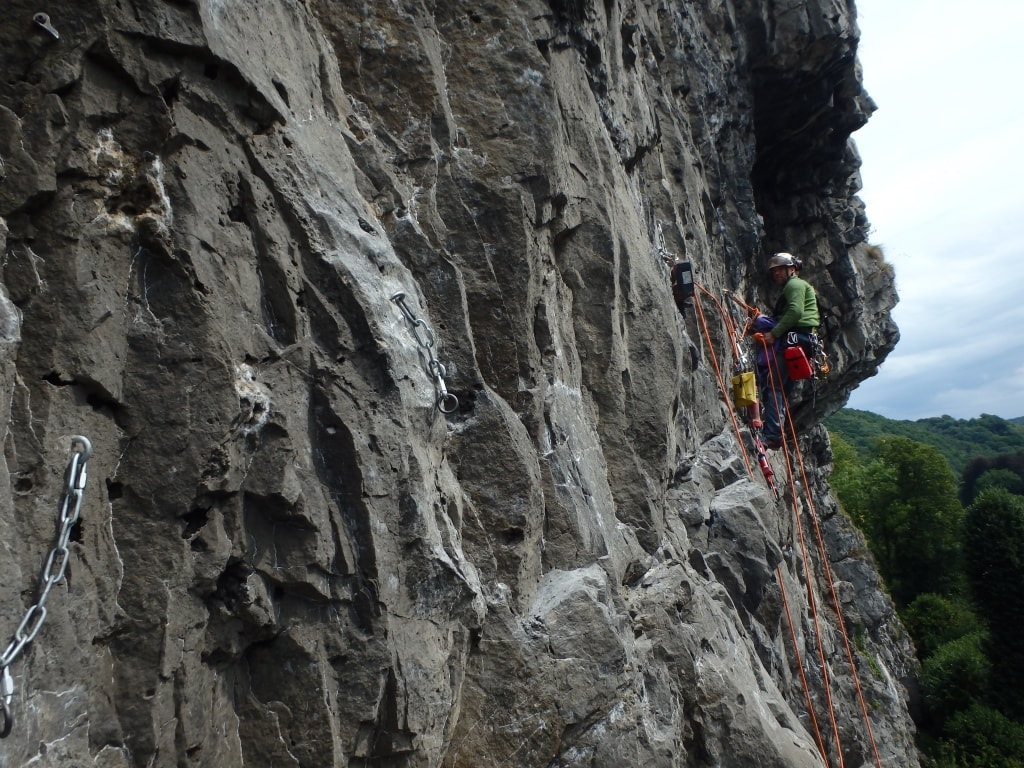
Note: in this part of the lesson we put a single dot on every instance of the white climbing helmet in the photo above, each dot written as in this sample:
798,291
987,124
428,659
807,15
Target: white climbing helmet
783,260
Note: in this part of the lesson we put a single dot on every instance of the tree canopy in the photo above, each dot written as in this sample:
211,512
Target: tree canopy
958,440
957,579
905,501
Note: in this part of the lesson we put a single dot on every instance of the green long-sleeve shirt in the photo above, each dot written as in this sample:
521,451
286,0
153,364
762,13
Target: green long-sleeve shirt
799,307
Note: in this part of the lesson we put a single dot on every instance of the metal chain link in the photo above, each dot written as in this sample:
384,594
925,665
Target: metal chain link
446,401
659,245
54,567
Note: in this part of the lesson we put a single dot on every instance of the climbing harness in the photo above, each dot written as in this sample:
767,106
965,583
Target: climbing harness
446,401
805,357
56,564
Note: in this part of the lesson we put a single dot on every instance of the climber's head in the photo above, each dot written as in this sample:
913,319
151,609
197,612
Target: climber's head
782,266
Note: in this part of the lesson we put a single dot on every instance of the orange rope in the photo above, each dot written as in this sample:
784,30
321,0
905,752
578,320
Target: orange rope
782,407
800,665
775,375
730,326
835,600
751,310
721,382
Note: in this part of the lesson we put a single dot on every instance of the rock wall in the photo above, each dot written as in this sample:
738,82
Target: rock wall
287,554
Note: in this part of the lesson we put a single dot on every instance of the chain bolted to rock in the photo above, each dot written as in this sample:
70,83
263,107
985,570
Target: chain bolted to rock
446,401
56,564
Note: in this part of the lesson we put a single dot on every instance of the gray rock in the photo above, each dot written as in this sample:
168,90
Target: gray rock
287,555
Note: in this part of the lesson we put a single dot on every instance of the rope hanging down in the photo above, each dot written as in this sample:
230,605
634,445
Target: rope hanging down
741,366
56,564
736,335
791,443
812,512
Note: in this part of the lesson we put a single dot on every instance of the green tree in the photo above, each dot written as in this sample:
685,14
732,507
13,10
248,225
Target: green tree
1001,478
848,477
860,486
994,554
959,440
955,676
934,620
1005,470
980,737
907,506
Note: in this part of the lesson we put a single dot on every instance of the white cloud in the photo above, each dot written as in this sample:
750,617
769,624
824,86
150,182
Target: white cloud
941,169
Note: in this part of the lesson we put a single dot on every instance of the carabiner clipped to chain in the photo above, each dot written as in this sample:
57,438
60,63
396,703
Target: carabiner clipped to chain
446,402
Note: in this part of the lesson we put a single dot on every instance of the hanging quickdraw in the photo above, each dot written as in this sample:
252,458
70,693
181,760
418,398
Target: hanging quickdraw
56,564
446,401
819,358
766,467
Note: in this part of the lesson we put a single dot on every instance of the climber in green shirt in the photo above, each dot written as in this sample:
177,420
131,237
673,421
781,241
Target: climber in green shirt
796,321
797,308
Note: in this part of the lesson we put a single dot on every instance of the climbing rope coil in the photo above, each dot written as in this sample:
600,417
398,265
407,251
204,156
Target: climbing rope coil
446,401
54,567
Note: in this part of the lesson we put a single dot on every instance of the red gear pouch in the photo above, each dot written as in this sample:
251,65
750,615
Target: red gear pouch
797,364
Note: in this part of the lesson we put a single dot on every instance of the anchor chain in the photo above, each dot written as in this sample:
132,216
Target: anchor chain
446,401
659,245
54,567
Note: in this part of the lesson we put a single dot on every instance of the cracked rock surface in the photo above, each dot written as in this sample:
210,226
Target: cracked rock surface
288,555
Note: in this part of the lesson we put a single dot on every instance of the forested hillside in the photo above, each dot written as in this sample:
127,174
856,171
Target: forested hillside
958,440
941,503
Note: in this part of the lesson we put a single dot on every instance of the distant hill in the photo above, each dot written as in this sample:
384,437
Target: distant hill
959,440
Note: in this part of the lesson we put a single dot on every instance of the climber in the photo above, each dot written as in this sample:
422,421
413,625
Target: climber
795,326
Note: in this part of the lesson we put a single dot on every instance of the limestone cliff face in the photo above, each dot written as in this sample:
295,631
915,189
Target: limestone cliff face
288,555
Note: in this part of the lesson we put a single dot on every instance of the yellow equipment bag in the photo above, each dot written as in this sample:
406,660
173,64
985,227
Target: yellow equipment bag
744,389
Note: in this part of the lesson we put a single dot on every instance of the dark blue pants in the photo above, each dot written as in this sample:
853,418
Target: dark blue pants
776,389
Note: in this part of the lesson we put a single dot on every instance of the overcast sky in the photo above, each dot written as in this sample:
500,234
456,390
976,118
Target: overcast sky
944,187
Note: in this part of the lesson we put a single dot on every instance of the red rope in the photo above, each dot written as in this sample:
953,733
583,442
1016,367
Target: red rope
800,664
730,326
780,401
782,407
721,382
835,601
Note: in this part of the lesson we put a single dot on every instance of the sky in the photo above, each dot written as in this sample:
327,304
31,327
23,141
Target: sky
943,182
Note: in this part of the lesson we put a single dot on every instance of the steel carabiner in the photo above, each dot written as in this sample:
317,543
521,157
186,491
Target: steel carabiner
6,695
